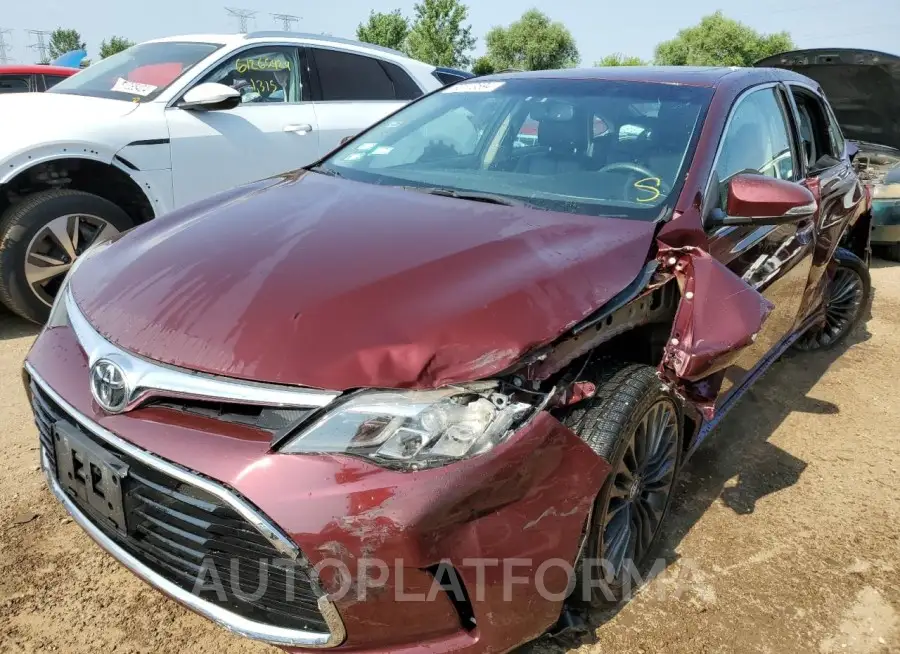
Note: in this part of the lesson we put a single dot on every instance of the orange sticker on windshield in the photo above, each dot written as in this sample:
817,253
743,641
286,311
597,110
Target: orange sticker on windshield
649,185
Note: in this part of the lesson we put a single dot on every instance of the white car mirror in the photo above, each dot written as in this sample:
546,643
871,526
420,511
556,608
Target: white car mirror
211,97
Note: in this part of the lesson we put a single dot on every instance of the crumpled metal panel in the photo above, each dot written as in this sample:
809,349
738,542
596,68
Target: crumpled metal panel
719,315
334,284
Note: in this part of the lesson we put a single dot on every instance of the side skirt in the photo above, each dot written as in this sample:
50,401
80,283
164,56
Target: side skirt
709,425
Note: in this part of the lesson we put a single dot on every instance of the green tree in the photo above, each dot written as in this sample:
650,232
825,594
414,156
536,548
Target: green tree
115,45
619,59
438,35
386,29
720,41
533,42
483,66
63,41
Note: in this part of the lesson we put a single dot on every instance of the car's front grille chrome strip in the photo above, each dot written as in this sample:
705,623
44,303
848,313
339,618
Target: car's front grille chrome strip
273,535
147,379
231,621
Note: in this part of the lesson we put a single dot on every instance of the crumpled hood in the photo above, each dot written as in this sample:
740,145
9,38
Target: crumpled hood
27,119
328,283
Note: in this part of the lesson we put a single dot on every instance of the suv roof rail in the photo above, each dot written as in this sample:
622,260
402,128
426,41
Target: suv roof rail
271,34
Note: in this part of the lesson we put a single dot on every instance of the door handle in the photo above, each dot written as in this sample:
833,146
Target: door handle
301,129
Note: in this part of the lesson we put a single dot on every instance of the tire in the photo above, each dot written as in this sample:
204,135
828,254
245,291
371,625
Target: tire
22,231
889,252
846,304
627,393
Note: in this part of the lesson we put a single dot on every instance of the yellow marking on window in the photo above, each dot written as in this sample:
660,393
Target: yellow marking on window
650,185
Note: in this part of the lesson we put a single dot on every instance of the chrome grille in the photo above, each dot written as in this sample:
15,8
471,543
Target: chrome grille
175,529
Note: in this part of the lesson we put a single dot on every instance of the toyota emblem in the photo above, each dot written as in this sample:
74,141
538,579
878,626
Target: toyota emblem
109,386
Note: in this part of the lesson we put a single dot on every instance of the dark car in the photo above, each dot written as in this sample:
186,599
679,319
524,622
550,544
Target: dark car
399,400
863,88
16,78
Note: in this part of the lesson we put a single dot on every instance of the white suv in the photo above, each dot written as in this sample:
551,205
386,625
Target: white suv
169,122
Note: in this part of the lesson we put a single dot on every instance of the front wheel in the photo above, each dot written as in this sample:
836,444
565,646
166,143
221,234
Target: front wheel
846,300
40,238
635,423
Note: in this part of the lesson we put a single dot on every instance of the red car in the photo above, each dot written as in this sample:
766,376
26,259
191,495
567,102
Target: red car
32,77
433,392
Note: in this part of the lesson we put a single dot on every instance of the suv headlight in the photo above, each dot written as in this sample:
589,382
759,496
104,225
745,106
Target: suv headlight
413,429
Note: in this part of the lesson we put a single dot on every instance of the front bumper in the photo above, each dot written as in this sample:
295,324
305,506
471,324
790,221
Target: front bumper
525,502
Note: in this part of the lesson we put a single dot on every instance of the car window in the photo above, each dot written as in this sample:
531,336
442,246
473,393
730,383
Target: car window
15,83
52,80
757,139
262,75
530,140
346,76
139,74
817,134
456,133
404,86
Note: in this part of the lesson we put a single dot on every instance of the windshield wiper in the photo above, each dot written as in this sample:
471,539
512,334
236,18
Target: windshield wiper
474,196
322,170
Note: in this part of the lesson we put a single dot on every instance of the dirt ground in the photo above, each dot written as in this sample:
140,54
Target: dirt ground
785,536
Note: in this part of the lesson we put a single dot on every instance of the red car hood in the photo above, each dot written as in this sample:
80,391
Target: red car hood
329,283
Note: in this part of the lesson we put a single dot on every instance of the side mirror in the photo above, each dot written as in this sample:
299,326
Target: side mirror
852,149
210,97
761,200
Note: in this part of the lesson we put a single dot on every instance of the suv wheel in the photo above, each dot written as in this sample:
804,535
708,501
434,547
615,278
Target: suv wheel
846,301
40,238
634,423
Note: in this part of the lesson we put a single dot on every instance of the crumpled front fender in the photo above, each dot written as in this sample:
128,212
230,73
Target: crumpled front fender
718,316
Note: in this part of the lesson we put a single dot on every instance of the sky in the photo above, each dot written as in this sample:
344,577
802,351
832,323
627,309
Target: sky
599,27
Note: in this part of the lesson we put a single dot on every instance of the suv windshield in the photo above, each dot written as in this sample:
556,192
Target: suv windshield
575,145
137,74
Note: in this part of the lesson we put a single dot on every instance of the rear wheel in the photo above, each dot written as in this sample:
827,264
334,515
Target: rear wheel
40,238
635,424
846,301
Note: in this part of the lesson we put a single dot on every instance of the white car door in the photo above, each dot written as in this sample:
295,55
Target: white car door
272,131
354,91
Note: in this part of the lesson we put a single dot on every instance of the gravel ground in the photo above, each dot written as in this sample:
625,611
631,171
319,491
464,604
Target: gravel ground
785,536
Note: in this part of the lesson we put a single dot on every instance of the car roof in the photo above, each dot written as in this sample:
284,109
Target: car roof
36,69
263,36
707,76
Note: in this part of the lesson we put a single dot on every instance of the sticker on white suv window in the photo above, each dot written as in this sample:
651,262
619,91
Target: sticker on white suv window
135,88
474,87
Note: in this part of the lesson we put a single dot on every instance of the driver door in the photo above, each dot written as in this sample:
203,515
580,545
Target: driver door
272,131
774,259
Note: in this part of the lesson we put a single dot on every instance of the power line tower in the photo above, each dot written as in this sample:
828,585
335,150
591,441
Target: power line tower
243,16
40,45
4,46
287,20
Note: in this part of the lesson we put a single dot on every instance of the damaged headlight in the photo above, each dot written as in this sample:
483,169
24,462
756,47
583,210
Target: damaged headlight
415,428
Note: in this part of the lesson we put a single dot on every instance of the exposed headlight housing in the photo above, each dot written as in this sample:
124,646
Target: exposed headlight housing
413,429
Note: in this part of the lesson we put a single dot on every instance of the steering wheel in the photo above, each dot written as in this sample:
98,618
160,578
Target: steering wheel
626,166
654,190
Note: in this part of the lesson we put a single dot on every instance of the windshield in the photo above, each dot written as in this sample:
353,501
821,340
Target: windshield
137,74
593,147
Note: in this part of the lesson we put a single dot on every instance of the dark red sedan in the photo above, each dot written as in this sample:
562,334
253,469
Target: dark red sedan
433,393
